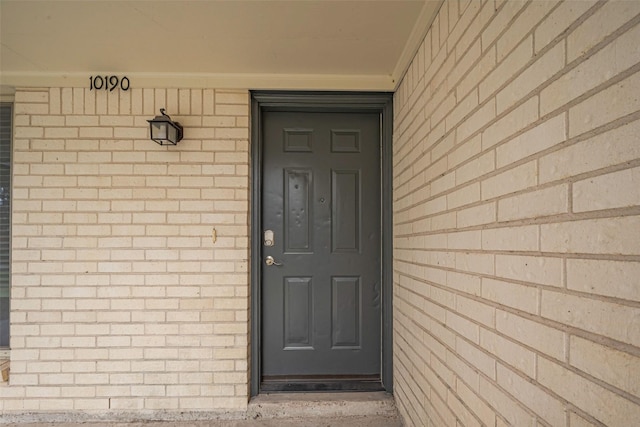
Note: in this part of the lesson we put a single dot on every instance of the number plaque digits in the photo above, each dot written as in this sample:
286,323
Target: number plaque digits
109,83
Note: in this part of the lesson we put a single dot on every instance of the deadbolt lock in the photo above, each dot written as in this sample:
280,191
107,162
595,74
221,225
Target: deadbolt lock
268,238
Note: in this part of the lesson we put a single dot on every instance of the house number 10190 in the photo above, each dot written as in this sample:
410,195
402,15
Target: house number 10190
109,83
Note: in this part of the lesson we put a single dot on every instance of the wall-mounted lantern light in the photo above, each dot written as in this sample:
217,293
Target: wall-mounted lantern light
165,131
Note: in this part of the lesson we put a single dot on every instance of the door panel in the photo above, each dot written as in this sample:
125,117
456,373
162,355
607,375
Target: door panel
345,313
298,218
345,212
298,311
321,312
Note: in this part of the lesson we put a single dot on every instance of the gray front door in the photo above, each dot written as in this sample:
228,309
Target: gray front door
321,197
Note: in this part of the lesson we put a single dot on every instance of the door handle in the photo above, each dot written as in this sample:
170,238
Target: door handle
270,261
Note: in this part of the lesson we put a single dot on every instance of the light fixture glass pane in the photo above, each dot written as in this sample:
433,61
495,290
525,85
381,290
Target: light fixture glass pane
173,134
159,130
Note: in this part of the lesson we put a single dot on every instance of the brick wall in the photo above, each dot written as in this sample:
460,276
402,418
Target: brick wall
120,298
517,217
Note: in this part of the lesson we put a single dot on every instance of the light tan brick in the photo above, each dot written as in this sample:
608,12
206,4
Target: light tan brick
500,21
477,405
613,190
31,96
231,97
476,310
475,262
463,152
513,295
547,407
506,69
533,269
41,121
464,196
557,22
462,326
23,108
533,334
612,366
443,184
609,278
528,19
596,236
481,69
29,132
476,121
522,238
599,25
610,148
615,58
605,106
576,420
482,214
90,404
231,110
506,406
95,132
541,137
460,410
512,353
470,25
518,178
443,222
595,400
475,168
617,321
536,74
463,240
535,204
464,64
520,117
472,354
463,108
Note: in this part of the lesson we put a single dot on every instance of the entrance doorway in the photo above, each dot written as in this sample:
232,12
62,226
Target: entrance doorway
321,292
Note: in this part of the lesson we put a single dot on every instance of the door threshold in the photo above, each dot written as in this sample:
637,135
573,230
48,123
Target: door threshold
321,383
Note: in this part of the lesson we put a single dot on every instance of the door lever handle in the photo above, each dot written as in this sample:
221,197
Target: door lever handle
270,261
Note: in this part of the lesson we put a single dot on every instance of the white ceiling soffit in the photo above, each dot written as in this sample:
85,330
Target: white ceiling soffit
268,44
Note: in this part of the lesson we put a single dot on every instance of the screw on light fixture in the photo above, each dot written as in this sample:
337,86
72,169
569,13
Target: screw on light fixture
165,131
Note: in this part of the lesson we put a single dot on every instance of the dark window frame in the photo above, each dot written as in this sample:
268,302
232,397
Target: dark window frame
6,144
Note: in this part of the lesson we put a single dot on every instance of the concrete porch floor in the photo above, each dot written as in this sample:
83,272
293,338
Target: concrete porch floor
375,409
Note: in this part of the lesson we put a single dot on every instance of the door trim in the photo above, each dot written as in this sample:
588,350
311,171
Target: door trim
380,102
